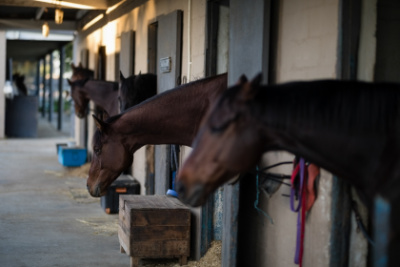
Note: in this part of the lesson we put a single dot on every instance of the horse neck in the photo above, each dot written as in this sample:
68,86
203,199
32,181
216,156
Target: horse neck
332,144
102,93
172,117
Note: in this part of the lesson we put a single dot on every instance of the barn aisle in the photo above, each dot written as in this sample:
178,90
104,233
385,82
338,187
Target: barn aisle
47,217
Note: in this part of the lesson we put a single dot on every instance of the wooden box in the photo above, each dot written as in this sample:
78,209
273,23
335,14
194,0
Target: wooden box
153,227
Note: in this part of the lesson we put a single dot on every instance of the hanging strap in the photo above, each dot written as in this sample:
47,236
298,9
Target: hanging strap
301,210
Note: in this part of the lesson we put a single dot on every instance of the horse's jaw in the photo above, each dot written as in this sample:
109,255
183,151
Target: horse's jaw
99,189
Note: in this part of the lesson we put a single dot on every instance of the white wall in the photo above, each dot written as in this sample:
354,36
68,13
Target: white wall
308,31
367,48
3,43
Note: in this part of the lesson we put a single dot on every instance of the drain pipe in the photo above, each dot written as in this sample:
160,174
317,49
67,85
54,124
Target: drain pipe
189,54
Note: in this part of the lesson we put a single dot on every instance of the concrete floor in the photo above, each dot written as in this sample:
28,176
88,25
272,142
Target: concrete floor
47,217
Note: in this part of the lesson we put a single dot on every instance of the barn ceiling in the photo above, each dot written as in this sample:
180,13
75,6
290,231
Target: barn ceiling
23,20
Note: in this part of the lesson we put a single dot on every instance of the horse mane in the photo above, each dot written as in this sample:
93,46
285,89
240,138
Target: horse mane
97,133
136,91
114,118
348,106
203,80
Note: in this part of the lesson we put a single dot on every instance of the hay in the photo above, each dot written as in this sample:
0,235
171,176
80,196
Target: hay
81,172
211,259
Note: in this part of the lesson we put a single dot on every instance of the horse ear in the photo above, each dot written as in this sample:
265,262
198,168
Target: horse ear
105,115
257,80
242,80
99,123
73,66
138,80
251,89
80,65
69,82
121,76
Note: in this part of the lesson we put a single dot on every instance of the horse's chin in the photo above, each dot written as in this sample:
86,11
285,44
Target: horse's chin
197,195
100,188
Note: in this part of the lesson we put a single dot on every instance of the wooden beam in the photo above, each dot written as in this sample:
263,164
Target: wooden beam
26,24
39,13
78,4
122,9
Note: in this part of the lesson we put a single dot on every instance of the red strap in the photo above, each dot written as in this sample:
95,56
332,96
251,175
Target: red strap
294,174
313,173
303,222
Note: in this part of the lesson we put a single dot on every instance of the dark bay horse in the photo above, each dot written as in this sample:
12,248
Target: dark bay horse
103,93
19,82
172,117
79,75
135,89
350,128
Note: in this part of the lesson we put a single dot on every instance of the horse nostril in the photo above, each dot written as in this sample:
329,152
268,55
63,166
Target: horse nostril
180,189
94,193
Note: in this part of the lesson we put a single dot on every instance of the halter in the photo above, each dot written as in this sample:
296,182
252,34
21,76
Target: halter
79,83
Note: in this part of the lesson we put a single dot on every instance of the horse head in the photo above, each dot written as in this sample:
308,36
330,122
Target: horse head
125,89
79,76
135,89
228,132
109,160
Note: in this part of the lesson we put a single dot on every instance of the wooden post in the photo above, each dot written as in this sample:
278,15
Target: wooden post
44,88
37,78
51,88
60,89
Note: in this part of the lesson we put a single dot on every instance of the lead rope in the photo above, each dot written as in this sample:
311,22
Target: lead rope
257,199
301,209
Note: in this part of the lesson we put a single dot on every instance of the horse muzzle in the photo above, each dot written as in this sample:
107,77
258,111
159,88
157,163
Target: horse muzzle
195,197
95,191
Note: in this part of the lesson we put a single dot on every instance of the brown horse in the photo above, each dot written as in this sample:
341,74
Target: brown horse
172,117
80,75
350,128
136,89
103,93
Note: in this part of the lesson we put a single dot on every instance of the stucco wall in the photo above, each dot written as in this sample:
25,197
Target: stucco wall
367,48
308,31
307,49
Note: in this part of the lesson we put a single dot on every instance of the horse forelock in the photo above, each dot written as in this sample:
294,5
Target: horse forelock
330,104
83,72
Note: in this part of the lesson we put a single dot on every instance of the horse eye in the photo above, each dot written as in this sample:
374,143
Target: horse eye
97,151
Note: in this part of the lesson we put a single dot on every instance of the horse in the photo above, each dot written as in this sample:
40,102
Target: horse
172,117
79,75
103,93
135,89
350,128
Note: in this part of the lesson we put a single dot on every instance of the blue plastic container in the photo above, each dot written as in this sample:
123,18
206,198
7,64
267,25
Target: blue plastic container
72,156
